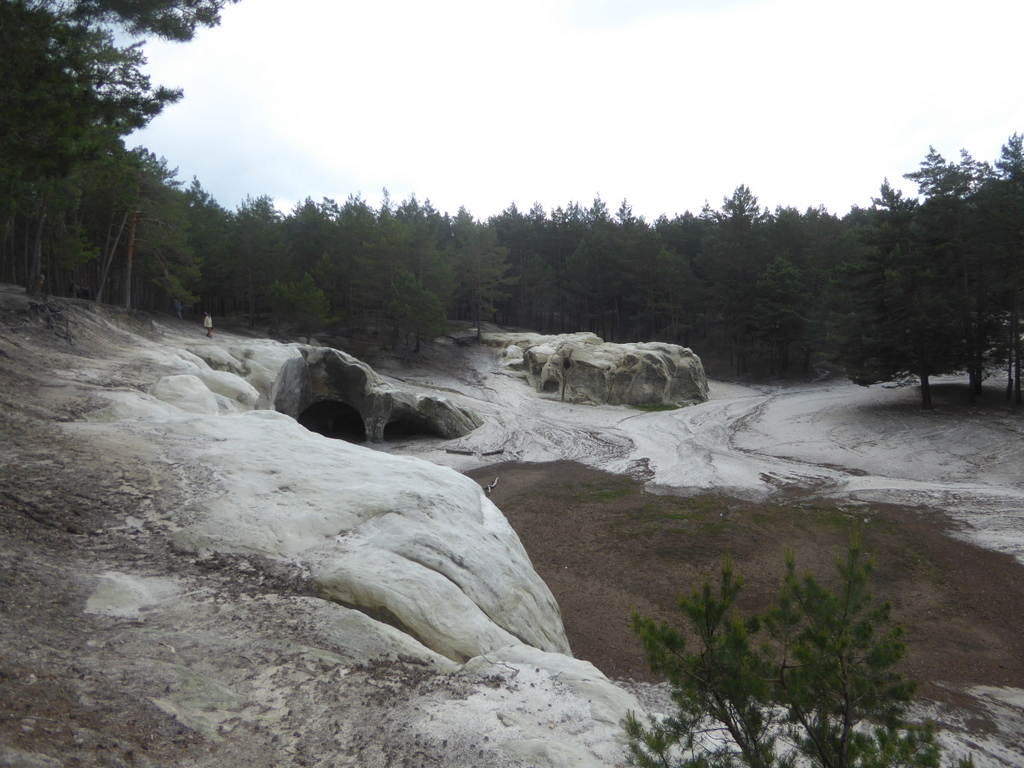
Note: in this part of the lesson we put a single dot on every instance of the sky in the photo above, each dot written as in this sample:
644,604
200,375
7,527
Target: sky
668,104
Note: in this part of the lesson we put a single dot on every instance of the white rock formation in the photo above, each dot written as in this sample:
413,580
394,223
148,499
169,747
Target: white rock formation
608,703
581,368
512,357
185,391
232,387
214,379
206,391
217,358
410,559
398,538
258,362
290,378
324,375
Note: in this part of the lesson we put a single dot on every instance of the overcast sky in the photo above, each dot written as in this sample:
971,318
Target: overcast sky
666,103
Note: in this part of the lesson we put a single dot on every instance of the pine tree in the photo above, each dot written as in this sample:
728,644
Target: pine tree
811,680
1005,226
904,318
70,90
946,223
734,256
482,267
257,249
302,303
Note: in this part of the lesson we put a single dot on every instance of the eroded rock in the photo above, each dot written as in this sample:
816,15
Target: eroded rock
187,392
258,363
331,392
405,541
582,368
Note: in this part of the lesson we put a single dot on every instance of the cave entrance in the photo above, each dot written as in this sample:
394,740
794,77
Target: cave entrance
550,386
408,428
332,418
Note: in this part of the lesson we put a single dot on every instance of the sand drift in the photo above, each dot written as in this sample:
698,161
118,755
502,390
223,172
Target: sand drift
835,440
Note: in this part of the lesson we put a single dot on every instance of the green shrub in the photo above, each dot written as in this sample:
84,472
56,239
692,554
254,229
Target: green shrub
810,681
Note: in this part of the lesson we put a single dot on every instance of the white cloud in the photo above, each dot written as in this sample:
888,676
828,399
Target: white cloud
669,105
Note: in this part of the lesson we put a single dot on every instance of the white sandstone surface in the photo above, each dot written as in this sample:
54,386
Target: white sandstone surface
187,392
861,443
872,444
377,531
399,538
440,576
583,368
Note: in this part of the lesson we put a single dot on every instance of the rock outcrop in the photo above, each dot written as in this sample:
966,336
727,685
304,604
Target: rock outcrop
325,390
414,567
332,392
404,541
582,368
222,380
258,363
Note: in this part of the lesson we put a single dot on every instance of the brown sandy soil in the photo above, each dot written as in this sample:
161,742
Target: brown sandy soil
604,546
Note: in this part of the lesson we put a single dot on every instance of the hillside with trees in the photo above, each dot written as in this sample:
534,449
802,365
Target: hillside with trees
910,287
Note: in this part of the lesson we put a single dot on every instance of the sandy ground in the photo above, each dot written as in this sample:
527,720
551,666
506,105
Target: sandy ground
836,439
618,508
623,509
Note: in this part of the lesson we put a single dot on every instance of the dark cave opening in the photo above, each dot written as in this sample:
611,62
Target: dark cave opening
332,418
408,428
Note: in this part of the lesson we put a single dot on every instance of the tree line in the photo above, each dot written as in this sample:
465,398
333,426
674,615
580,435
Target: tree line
911,286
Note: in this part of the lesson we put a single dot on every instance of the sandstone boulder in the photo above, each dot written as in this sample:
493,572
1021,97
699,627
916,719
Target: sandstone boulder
230,386
331,392
187,392
217,358
582,368
406,542
258,363
206,391
512,358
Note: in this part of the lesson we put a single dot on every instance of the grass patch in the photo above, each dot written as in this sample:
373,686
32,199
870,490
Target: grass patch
603,491
679,521
605,547
656,408
691,526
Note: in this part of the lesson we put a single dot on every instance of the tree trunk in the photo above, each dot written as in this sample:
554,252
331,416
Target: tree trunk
1011,347
129,254
108,256
35,271
7,266
926,391
1016,354
252,300
979,366
1009,370
1013,366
